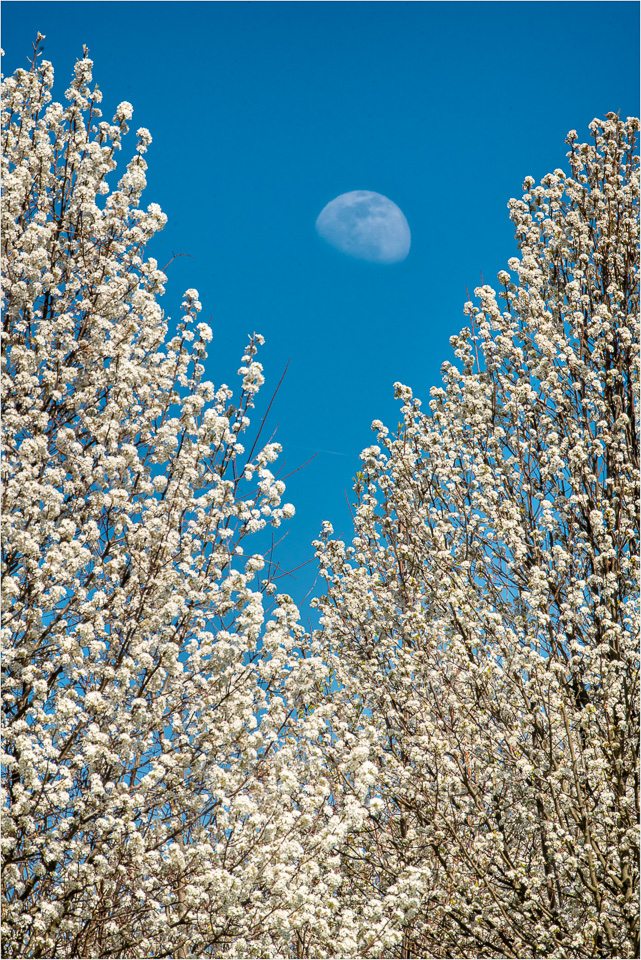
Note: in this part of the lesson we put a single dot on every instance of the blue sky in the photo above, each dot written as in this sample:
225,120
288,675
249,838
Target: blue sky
262,113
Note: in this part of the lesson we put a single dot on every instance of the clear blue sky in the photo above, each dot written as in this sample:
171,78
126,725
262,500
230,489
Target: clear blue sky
261,113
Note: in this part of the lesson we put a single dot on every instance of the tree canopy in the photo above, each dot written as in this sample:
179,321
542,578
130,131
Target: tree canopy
145,688
483,624
448,765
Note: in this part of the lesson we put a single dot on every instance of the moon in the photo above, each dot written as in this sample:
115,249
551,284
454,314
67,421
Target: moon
365,225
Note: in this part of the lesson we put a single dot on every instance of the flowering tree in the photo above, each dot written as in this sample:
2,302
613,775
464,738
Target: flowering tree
482,627
149,790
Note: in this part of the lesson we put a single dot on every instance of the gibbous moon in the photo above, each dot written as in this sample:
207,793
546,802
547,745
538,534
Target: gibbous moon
365,225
